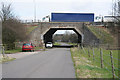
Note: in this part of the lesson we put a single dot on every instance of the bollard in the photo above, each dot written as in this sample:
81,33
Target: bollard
101,56
3,51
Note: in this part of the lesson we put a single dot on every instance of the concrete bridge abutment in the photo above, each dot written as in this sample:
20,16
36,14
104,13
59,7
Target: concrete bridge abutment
43,33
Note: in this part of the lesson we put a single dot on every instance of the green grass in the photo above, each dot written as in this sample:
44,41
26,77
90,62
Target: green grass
38,48
13,51
72,43
30,29
102,34
56,43
86,67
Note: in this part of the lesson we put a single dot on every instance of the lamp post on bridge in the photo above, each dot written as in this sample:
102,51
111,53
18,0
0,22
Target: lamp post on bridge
34,10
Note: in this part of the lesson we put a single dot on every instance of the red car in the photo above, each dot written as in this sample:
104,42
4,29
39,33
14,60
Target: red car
28,47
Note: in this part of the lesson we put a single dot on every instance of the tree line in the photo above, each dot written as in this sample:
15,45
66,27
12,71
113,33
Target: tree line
66,37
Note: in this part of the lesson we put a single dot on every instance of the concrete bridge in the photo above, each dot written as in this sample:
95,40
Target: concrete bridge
45,30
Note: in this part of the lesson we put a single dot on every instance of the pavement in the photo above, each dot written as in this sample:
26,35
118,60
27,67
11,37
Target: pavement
21,54
52,63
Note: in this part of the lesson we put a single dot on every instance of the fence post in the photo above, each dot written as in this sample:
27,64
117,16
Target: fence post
78,46
112,64
101,56
93,55
88,52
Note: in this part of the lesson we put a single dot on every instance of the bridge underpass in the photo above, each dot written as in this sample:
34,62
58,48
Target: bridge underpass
48,36
45,30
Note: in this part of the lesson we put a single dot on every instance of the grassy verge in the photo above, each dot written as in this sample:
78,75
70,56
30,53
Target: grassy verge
13,51
38,48
6,59
86,67
72,44
56,43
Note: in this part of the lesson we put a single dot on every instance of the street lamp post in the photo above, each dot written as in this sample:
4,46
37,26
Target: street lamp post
34,11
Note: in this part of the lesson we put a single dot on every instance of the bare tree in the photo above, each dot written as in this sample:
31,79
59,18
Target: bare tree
116,15
116,11
66,37
12,28
6,12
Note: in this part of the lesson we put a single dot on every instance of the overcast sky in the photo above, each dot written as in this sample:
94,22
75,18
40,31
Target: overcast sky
24,9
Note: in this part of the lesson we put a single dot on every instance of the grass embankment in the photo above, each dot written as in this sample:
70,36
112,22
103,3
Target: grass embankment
102,34
86,67
30,29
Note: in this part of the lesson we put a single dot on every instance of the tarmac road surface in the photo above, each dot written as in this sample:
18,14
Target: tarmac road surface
52,63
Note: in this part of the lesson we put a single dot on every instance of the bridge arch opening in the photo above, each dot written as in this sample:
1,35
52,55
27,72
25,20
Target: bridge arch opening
48,36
